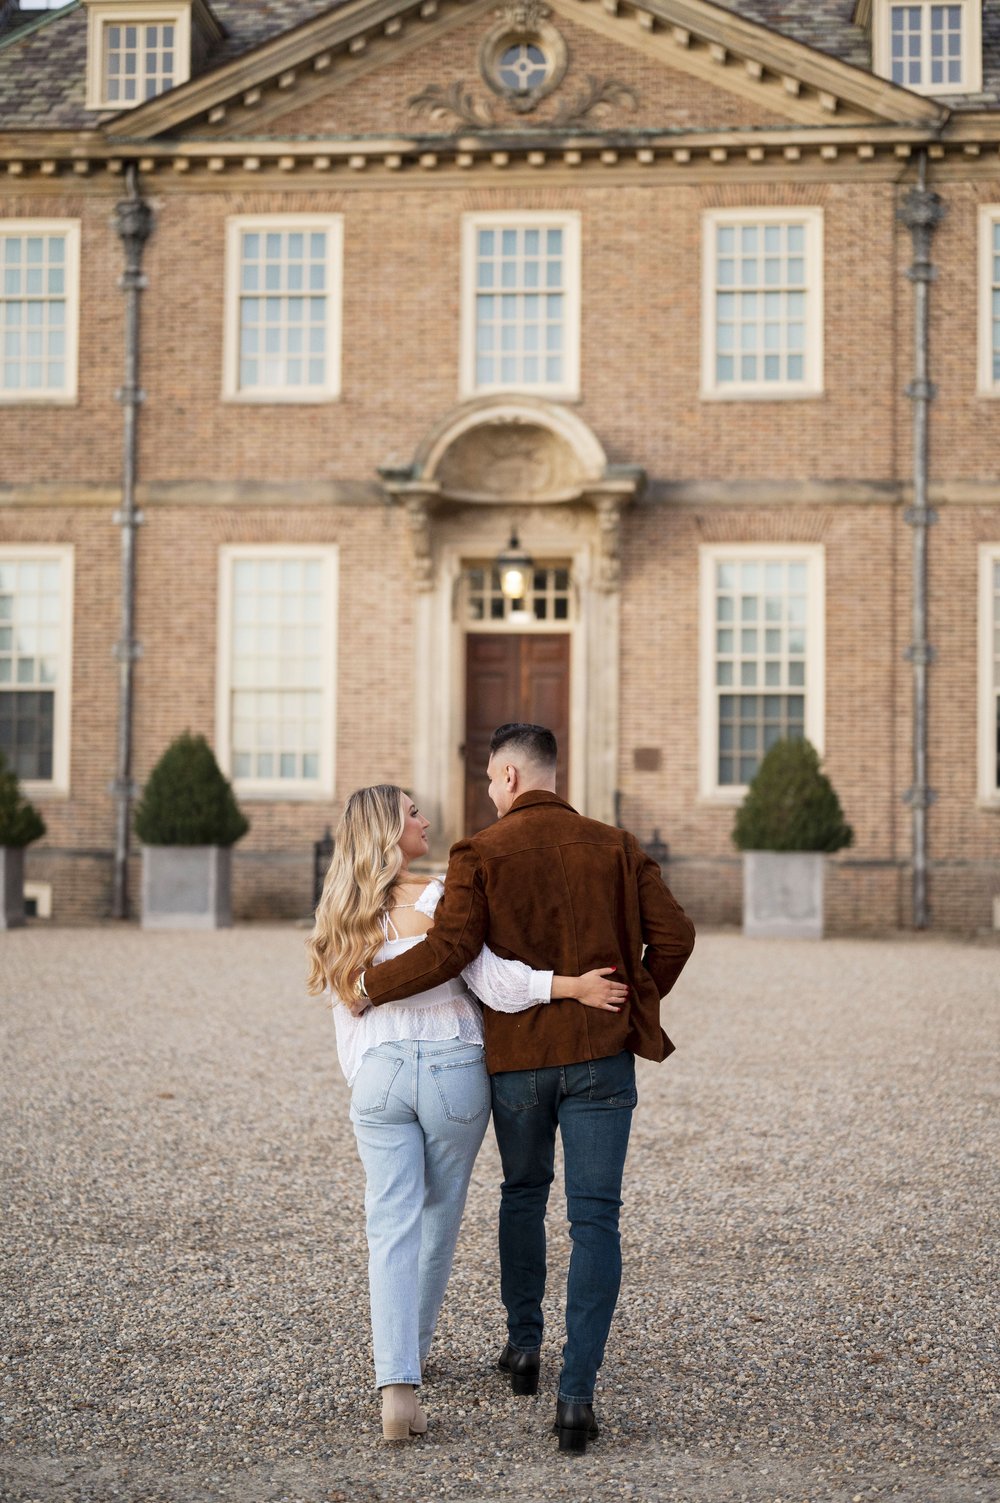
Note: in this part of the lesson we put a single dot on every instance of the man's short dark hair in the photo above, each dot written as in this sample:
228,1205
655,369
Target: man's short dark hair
534,742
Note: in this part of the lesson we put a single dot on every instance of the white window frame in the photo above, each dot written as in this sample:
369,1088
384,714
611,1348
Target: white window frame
567,221
283,790
69,229
741,391
989,790
972,46
129,13
237,225
989,215
58,785
814,690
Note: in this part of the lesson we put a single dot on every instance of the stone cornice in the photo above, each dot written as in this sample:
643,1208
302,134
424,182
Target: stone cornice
701,495
754,152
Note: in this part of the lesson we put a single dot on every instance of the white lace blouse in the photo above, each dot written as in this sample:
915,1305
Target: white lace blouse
448,1011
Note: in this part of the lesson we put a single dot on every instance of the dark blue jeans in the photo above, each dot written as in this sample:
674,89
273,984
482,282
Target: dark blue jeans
591,1104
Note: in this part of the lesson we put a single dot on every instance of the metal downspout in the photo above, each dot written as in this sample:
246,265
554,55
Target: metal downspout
133,222
921,211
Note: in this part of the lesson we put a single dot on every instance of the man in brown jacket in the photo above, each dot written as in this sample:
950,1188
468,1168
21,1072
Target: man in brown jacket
557,891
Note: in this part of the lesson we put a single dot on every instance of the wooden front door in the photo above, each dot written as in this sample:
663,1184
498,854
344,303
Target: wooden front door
523,676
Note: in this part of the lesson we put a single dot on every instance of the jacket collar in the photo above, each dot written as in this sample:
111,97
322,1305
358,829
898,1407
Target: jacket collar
537,796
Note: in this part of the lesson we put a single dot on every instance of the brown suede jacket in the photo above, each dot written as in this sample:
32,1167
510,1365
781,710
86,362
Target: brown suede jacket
560,892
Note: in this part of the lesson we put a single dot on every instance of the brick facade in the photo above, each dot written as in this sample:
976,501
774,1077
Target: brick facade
833,470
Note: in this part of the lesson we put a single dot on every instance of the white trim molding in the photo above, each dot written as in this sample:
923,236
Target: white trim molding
989,291
813,689
989,674
292,335
32,284
567,386
970,44
58,785
104,13
792,339
280,789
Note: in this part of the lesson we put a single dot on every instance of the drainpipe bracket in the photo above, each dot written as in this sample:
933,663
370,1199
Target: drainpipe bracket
922,271
920,516
920,798
923,655
128,518
127,652
130,394
124,787
921,390
130,280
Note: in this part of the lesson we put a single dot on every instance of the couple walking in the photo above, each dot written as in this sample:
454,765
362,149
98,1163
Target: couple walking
407,958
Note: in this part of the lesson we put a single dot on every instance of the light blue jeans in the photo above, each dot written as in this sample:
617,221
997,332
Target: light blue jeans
419,1110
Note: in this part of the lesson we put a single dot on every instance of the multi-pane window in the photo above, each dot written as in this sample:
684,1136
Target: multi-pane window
547,598
989,300
762,656
277,668
284,309
932,49
763,303
34,661
989,672
38,309
521,306
139,61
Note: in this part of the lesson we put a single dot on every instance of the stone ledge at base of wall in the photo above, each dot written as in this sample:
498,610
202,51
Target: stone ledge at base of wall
862,896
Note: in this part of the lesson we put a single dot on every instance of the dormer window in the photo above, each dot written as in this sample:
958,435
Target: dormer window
929,48
137,51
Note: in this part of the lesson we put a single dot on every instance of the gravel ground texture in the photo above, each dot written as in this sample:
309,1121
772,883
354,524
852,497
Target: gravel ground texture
809,1309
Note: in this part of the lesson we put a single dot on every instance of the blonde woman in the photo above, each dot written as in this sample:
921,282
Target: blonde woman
420,1094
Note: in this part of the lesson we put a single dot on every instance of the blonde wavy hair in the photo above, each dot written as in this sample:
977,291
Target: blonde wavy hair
358,889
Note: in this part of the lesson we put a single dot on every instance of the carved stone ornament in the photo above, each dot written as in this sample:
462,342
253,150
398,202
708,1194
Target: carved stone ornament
523,56
440,101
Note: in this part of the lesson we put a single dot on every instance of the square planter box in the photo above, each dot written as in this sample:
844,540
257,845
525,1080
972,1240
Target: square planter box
11,887
186,887
783,894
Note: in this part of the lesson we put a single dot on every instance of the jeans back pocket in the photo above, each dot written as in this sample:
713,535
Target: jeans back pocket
373,1083
464,1088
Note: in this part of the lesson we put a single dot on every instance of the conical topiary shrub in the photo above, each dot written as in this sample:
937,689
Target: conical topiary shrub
791,805
20,821
20,824
187,800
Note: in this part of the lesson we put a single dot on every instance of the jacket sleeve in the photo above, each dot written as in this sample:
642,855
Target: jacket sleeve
666,929
456,937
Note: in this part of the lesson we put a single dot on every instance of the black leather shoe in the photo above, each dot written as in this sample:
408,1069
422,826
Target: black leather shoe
523,1369
575,1425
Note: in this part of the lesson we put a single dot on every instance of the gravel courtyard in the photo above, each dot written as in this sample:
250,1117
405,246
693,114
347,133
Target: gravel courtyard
810,1241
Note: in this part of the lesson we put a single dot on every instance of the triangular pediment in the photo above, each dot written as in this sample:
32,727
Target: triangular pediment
664,65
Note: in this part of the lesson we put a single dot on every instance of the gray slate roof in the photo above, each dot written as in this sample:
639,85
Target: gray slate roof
43,65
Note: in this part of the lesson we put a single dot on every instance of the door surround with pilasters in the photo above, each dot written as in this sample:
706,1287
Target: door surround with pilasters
489,465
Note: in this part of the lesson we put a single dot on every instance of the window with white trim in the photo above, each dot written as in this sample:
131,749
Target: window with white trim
989,300
521,303
989,672
36,630
276,671
929,48
763,303
283,308
761,657
39,309
136,52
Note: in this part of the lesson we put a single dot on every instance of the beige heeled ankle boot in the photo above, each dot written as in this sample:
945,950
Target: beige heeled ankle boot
402,1416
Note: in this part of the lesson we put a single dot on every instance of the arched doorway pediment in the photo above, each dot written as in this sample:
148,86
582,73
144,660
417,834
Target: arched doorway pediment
495,450
513,450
